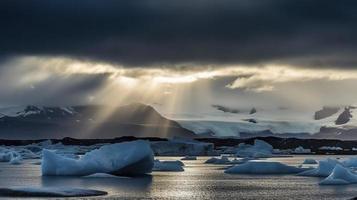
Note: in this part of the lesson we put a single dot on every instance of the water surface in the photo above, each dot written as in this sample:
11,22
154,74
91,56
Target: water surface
198,181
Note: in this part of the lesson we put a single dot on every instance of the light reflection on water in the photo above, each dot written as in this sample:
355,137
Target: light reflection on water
198,181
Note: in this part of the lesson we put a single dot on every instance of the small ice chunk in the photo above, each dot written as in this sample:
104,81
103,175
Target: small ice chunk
48,192
176,166
340,176
309,161
254,167
189,158
15,160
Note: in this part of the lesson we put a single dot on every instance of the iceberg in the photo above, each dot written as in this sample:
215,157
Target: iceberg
127,158
48,192
176,166
221,160
301,150
104,175
260,149
331,148
324,168
309,161
225,160
15,160
340,176
189,158
350,162
7,155
254,167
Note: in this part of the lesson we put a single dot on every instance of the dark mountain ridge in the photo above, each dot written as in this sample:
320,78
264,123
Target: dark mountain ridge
91,121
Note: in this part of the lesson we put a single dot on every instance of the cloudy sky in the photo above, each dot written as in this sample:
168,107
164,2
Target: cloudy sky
179,54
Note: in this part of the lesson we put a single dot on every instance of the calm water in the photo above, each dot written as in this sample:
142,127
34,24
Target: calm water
198,181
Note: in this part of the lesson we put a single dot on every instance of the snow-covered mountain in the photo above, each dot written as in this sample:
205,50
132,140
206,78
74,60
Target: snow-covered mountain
328,122
87,122
143,120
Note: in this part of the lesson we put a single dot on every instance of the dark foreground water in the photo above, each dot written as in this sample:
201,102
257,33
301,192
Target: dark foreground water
198,181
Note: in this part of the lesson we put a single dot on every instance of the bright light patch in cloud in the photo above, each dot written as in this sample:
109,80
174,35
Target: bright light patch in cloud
250,78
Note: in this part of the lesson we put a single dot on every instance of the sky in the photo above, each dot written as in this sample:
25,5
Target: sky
179,55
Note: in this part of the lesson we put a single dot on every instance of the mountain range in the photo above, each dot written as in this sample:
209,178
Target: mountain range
90,121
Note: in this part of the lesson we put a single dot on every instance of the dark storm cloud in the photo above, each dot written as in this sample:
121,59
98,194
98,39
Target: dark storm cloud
142,32
54,90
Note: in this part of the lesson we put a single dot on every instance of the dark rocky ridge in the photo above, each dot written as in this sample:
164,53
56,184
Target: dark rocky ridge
276,142
226,109
344,117
325,112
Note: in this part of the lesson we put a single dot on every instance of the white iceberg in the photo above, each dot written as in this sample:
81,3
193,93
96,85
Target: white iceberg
340,176
331,148
127,158
324,168
176,166
254,167
309,161
225,160
301,150
48,192
221,160
260,149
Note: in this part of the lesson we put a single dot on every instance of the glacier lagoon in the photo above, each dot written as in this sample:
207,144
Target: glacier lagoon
198,181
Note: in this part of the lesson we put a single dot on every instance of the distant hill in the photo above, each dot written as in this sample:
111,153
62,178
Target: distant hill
90,121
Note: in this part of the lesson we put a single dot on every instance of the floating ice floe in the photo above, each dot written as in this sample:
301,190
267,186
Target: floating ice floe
48,192
340,176
309,161
254,167
260,149
324,168
127,158
189,158
176,166
225,160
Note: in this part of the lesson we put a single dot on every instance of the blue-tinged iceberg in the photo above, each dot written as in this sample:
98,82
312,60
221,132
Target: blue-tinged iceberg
127,158
257,167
